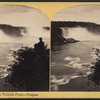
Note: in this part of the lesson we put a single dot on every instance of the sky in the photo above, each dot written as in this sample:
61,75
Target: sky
24,16
86,13
80,13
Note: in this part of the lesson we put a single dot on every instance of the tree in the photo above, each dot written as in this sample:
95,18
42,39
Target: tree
95,75
30,70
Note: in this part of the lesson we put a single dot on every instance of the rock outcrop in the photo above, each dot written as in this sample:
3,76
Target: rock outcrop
57,34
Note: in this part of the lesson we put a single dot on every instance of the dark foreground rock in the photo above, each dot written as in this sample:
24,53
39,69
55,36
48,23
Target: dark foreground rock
30,71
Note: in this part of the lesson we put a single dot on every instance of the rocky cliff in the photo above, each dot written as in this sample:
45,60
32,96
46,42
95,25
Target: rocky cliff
57,34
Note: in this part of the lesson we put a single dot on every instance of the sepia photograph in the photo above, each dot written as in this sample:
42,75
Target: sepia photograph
75,49
24,49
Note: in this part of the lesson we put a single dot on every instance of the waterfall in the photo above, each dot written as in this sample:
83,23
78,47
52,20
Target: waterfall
64,31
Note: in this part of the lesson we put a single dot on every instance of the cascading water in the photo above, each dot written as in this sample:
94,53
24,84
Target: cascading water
79,33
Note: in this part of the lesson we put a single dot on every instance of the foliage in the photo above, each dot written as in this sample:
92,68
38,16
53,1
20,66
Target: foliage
95,75
30,71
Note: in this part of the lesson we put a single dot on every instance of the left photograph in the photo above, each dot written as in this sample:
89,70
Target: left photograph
24,49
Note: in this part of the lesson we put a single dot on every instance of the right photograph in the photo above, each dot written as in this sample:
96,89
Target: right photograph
75,49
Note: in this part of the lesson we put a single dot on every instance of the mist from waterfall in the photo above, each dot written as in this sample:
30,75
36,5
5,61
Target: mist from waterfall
79,33
28,39
4,38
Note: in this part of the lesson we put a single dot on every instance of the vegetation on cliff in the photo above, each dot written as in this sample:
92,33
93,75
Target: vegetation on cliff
30,71
95,75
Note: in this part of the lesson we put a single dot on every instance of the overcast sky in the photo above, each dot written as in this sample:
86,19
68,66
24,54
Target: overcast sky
25,16
86,13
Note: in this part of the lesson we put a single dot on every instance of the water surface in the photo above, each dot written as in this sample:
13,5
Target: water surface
71,64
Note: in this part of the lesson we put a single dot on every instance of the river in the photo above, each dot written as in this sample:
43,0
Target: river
71,64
